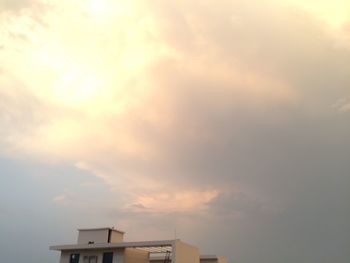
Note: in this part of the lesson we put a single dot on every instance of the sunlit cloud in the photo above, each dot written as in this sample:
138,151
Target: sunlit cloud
336,13
109,84
168,201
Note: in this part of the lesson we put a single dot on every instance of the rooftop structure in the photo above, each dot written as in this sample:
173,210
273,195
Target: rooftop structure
106,245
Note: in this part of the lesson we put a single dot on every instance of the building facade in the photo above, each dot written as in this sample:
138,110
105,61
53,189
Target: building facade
106,245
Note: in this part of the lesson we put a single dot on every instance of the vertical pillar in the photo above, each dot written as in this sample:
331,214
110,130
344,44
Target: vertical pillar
118,256
173,252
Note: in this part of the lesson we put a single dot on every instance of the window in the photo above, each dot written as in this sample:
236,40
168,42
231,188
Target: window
107,257
74,258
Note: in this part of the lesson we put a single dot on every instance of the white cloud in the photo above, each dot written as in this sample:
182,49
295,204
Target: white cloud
162,96
342,105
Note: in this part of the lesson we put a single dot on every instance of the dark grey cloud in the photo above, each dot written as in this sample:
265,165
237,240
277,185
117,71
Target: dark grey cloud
235,205
294,157
289,45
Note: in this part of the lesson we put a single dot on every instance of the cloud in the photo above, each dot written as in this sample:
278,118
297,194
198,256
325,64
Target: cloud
29,11
235,204
60,199
342,105
174,202
188,105
15,5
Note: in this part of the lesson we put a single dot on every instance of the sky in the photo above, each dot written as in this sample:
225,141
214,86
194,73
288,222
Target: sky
223,123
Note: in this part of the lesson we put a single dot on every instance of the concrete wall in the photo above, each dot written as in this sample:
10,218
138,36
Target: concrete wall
83,254
96,236
133,255
65,257
118,255
184,253
208,261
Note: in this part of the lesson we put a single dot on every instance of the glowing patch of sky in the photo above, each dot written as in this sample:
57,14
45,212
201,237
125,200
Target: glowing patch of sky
336,13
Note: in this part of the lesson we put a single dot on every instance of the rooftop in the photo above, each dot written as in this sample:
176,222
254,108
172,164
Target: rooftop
100,228
167,244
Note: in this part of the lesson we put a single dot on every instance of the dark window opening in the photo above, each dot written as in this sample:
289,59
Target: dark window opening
107,257
74,258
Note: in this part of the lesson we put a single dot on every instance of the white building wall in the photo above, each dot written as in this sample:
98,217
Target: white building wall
65,257
118,255
96,236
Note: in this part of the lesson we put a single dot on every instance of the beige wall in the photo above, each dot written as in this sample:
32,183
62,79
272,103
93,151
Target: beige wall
185,253
97,236
222,260
116,236
204,260
133,255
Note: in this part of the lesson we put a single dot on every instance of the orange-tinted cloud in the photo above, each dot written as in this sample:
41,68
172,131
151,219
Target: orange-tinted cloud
122,89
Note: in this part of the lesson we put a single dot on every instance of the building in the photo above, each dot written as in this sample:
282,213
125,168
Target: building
106,245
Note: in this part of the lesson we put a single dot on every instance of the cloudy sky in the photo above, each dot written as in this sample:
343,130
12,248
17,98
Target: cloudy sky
227,121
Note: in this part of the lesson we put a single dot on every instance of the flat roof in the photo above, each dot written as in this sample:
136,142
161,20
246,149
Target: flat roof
100,228
140,244
208,256
154,257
